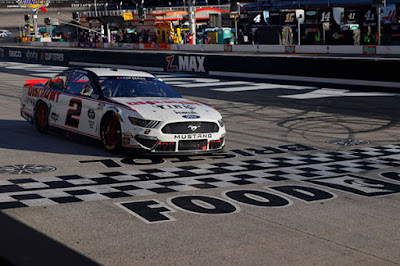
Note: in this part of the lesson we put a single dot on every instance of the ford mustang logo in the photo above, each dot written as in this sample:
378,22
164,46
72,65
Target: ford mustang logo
193,127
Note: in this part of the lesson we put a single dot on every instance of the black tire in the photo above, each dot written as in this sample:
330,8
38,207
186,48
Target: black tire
110,132
42,118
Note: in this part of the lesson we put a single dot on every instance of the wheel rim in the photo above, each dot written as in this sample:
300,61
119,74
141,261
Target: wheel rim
41,115
114,130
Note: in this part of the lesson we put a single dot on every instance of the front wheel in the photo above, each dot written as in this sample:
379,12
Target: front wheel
42,118
110,132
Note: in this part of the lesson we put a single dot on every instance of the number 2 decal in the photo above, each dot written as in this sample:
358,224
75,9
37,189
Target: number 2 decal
73,113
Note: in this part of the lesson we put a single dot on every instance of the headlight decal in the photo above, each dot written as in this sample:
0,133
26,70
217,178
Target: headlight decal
144,123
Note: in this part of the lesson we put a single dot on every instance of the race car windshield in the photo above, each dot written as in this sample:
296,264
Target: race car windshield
135,87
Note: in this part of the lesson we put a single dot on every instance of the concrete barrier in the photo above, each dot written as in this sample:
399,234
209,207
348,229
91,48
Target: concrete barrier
359,68
274,49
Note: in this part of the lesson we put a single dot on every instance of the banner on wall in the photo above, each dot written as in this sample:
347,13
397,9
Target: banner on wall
33,4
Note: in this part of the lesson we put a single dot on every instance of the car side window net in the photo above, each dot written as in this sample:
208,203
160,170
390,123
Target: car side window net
57,82
79,84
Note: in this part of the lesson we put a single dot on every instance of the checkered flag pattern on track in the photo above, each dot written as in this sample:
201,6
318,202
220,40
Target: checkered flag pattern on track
43,191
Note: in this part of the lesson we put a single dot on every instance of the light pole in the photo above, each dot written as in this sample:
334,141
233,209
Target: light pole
298,27
95,8
379,25
192,20
35,25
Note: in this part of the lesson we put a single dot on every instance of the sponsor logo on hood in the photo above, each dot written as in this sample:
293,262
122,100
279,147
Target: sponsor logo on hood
191,116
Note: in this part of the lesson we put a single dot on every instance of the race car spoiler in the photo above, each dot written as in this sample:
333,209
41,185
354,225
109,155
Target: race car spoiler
31,82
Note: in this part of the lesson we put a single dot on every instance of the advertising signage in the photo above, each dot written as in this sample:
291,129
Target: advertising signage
33,4
369,17
351,15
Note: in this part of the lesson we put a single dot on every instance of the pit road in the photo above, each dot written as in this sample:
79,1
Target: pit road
310,175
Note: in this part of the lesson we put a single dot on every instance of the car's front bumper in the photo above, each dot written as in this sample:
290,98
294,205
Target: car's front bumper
176,143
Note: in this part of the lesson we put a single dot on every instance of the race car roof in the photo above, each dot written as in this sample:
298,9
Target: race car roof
101,72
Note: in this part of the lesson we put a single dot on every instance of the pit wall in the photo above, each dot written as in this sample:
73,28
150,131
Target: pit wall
281,49
234,64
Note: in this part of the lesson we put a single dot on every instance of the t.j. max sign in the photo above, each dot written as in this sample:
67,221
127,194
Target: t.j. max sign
186,63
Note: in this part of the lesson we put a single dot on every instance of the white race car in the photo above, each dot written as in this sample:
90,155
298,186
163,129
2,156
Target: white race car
123,109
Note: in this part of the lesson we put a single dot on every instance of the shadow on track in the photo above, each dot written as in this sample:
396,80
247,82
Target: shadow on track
21,135
22,245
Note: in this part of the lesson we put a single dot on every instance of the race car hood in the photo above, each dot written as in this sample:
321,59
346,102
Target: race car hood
168,109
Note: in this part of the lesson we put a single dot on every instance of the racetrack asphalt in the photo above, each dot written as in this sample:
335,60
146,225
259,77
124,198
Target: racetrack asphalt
310,175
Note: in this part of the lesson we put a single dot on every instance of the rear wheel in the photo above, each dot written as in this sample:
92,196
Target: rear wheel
42,118
111,135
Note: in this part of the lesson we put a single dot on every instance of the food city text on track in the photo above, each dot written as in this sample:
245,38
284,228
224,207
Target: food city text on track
155,211
110,163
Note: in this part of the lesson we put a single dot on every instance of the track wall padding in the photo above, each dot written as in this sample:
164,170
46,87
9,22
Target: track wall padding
377,69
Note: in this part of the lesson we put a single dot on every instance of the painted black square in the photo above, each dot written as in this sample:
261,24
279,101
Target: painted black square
313,161
114,195
59,184
277,173
151,171
169,184
283,164
66,199
244,176
275,178
79,192
188,167
110,174
10,205
219,170
22,181
10,188
162,190
203,186
144,177
70,177
208,180
252,167
27,197
183,173
367,168
221,164
253,161
294,162
241,182
307,169
393,164
104,180
358,185
338,171
310,174
127,187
